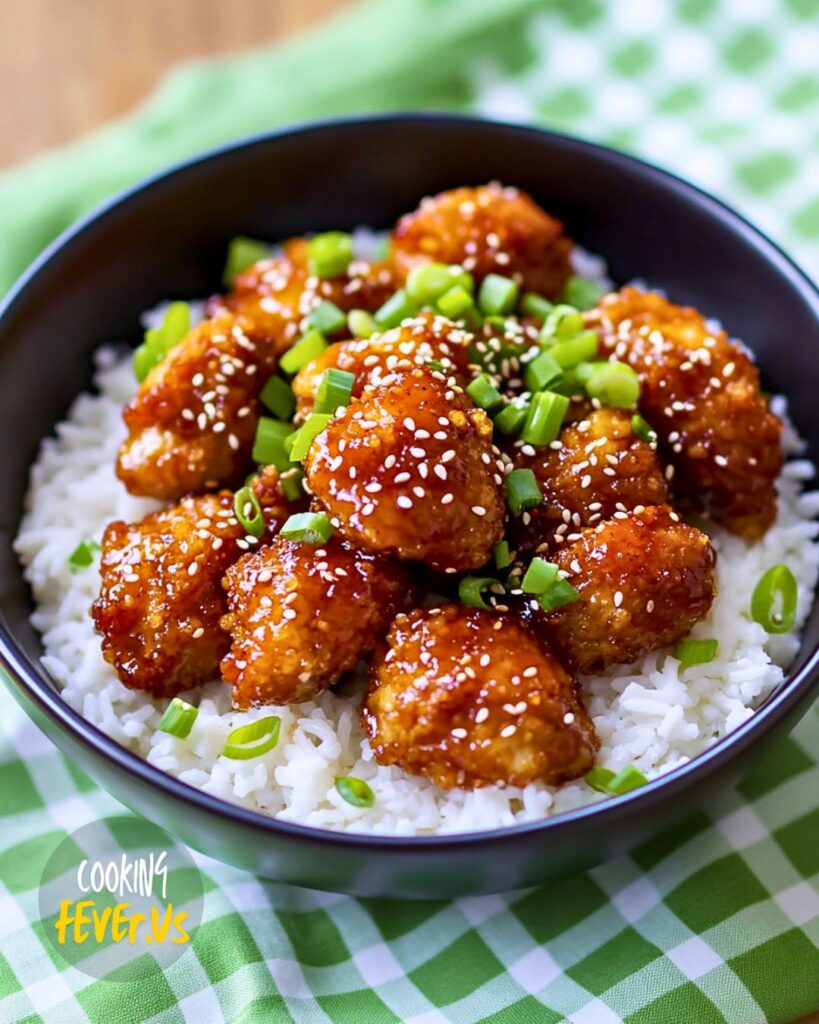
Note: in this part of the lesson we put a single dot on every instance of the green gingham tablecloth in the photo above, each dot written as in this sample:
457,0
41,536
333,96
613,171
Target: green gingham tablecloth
717,921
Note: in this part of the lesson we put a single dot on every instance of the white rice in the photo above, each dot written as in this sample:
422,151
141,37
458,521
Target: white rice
645,714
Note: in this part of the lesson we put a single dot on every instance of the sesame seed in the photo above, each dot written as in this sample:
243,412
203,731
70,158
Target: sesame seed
402,501
447,498
508,730
479,510
459,734
482,715
618,598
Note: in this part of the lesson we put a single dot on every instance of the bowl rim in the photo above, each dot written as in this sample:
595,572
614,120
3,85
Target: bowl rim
39,689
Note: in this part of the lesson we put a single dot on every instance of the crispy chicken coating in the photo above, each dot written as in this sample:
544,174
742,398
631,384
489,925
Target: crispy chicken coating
409,469
600,468
644,579
301,616
427,337
276,295
191,423
700,392
487,230
470,699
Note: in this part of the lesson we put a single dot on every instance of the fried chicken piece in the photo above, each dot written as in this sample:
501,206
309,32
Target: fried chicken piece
600,468
276,295
409,469
427,337
487,230
700,392
644,579
191,423
301,616
470,699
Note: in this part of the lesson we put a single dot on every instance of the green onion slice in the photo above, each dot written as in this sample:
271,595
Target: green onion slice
774,600
581,293
535,305
614,383
522,491
558,593
242,253
307,433
456,302
695,652
278,396
511,418
355,791
83,555
361,324
249,512
268,444
398,307
253,740
562,323
497,295
574,350
604,780
484,393
290,482
502,555
427,282
335,390
329,254
470,590
327,318
159,341
308,527
538,577
642,428
178,718
545,418
306,349
542,372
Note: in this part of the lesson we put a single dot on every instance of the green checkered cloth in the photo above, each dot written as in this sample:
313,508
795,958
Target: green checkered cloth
717,921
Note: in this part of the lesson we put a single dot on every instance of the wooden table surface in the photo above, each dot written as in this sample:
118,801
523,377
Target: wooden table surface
66,68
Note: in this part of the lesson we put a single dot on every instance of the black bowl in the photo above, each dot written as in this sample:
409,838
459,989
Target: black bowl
166,238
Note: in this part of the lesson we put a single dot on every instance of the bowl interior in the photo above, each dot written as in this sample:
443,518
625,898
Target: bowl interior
168,240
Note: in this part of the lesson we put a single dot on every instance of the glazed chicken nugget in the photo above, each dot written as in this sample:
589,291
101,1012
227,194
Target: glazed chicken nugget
276,295
700,392
487,230
470,699
301,616
192,422
597,467
409,469
415,343
644,580
161,598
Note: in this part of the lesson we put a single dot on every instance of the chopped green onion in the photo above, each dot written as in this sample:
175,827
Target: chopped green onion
535,305
574,350
309,527
382,248
522,491
455,302
268,445
545,418
604,780
327,318
335,390
497,295
484,393
253,740
538,577
502,555
695,652
306,434
83,555
306,348
290,482
355,791
642,429
510,419
558,593
397,308
159,341
562,323
178,719
614,383
278,396
581,293
242,253
361,324
470,590
249,512
774,600
436,365
329,254
429,281
542,372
